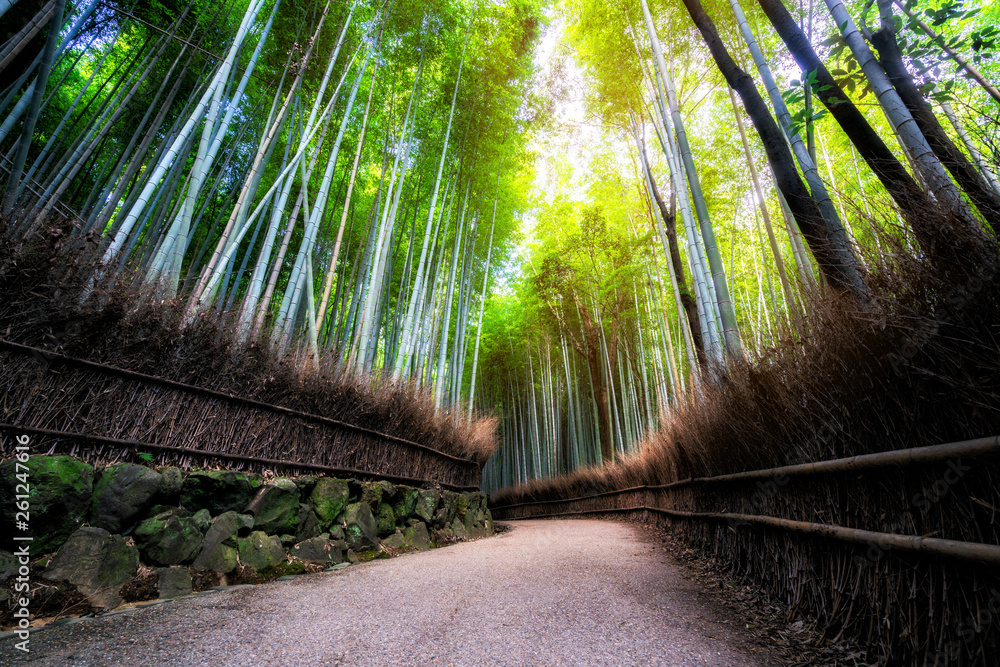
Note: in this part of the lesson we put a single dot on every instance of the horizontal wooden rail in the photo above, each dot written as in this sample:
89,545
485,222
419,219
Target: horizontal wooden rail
135,445
52,357
987,554
989,446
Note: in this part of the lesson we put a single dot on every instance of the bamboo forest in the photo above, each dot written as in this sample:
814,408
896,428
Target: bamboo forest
725,269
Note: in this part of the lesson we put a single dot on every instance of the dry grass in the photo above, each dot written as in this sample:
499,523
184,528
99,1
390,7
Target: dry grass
120,324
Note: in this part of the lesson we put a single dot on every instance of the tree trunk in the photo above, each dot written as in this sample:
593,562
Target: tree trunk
804,152
831,247
409,323
14,181
727,314
911,200
669,218
601,398
985,199
786,285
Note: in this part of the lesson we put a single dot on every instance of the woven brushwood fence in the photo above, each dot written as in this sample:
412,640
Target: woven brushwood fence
899,550
104,414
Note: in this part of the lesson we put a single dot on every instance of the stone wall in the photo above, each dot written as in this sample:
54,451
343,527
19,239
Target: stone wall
133,532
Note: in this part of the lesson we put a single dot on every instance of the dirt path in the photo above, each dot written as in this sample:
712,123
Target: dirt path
545,593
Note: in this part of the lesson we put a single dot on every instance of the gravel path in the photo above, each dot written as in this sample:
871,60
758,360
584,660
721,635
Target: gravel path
546,593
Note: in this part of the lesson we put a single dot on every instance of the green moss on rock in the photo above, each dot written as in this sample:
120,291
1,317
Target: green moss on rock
416,536
360,529
427,503
168,539
306,484
173,581
218,491
97,563
275,508
60,490
386,521
458,530
171,483
202,519
329,498
121,494
261,551
309,525
406,502
218,548
371,493
318,550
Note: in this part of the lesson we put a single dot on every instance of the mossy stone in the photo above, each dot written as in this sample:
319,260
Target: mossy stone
59,495
458,530
308,523
121,561
173,582
443,535
416,536
360,529
371,493
406,502
159,509
318,550
245,524
329,498
455,504
171,483
218,548
442,519
97,563
474,502
386,521
474,525
168,539
306,484
261,550
289,569
9,565
122,493
427,503
275,508
202,519
394,541
218,491
221,558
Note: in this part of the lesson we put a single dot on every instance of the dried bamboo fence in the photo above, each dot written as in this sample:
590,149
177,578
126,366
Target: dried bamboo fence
104,414
900,550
